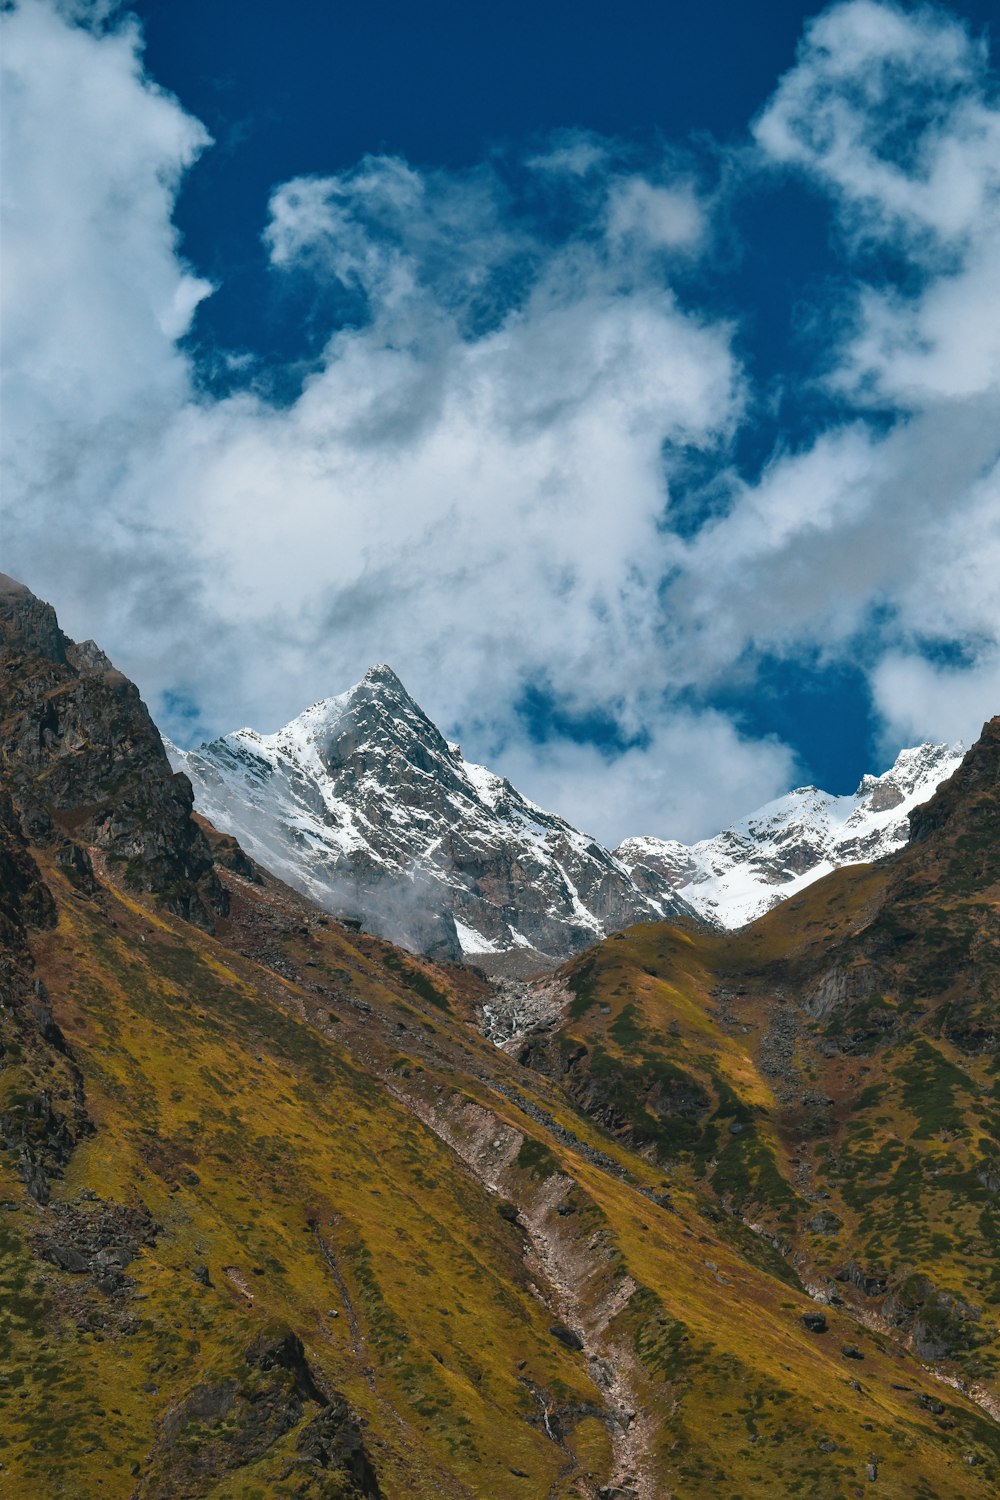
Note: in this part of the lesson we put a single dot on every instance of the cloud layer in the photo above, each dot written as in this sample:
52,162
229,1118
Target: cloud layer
896,114
476,480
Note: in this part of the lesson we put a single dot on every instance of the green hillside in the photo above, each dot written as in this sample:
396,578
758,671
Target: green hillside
278,1221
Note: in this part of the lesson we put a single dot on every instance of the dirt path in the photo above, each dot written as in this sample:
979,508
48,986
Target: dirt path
354,1327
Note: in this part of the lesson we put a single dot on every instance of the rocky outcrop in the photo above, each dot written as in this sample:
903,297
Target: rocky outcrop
940,1325
223,1425
970,798
99,1240
25,899
83,765
361,804
42,1113
332,1448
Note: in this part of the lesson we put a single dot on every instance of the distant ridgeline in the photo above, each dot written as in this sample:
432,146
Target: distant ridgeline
784,846
361,804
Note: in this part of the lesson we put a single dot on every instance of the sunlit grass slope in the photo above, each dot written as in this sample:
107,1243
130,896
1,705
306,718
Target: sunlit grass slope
826,1081
313,1198
312,1140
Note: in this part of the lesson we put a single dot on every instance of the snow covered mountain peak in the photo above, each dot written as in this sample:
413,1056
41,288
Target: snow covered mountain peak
790,842
378,704
921,766
361,803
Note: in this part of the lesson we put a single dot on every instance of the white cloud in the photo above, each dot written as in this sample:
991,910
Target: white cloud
887,109
652,790
943,344
452,501
896,115
659,218
573,153
94,295
472,483
923,701
903,526
94,291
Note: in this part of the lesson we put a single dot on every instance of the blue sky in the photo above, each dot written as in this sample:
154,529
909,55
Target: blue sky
628,380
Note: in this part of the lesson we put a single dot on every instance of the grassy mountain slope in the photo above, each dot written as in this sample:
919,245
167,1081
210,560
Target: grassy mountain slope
829,1075
278,1221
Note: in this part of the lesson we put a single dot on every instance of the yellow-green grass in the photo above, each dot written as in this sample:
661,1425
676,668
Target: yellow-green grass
286,1152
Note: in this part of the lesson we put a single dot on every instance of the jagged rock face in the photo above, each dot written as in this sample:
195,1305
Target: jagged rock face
969,803
787,844
83,763
25,900
42,1113
362,804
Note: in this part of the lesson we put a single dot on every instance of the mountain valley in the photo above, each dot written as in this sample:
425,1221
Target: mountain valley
717,1218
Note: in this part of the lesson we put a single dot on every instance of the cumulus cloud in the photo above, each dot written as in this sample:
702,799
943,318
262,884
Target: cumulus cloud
94,296
94,291
651,789
923,699
472,491
882,543
657,217
896,114
474,481
888,109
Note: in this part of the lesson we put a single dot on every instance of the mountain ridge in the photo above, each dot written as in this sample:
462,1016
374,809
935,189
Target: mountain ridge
361,803
782,847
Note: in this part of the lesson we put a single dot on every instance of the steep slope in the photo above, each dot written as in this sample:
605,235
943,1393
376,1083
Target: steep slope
84,764
292,1227
362,805
829,1075
787,844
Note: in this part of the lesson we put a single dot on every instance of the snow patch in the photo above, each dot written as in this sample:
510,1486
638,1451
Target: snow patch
787,844
473,941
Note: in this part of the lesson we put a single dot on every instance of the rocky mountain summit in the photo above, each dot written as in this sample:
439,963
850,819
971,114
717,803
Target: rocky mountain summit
787,844
361,804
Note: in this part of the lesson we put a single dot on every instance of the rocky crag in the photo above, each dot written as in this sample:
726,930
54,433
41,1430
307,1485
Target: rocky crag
84,765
